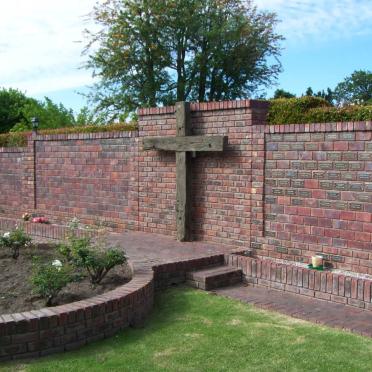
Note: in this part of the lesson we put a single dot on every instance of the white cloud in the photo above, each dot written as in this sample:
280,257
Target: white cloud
41,44
321,20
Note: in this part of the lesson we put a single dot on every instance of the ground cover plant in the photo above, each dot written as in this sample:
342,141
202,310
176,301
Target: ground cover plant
192,330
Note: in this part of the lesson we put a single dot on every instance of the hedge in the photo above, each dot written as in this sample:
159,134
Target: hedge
19,139
314,110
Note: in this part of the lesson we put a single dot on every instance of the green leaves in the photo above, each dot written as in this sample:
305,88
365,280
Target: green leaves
15,240
151,52
355,89
96,259
49,279
314,110
16,111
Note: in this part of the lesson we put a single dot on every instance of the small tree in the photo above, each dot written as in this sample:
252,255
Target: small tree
15,240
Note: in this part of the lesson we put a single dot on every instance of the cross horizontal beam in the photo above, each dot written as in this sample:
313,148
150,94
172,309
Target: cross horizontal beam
187,143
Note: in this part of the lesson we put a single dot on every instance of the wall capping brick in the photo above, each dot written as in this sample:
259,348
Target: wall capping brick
325,285
320,127
207,106
84,136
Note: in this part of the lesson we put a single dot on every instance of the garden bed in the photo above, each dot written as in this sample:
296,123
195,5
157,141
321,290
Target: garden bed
16,289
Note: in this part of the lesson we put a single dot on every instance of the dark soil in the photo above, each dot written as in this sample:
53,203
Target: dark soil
16,290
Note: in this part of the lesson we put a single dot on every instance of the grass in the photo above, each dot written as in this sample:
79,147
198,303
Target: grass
191,330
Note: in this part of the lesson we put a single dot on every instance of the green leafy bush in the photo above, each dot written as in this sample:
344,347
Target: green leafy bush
15,240
95,257
48,279
337,114
314,110
13,140
292,110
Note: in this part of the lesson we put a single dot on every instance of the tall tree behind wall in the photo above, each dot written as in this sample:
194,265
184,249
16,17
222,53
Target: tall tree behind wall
157,52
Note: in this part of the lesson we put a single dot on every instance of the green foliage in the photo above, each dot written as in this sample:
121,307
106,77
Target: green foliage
15,240
355,89
314,110
11,103
327,95
292,110
48,279
337,114
16,111
19,139
281,93
158,52
118,127
96,257
13,140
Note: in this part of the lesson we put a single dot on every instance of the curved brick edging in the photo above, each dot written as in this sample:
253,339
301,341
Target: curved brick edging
324,285
42,332
49,330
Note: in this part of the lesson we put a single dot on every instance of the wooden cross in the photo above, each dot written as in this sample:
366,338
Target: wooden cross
184,144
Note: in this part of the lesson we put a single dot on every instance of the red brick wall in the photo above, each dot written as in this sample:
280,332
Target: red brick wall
16,179
318,194
287,191
92,177
222,204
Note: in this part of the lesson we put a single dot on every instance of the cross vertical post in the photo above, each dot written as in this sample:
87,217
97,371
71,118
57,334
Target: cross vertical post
183,174
184,144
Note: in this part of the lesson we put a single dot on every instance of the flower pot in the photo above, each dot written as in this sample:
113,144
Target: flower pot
317,261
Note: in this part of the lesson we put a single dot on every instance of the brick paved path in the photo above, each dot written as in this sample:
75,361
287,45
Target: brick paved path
311,309
144,249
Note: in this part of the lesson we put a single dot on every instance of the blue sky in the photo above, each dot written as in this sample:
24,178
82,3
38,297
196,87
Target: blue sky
41,43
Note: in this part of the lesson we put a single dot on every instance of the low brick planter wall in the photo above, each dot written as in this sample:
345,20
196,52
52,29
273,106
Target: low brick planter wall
41,332
62,328
323,285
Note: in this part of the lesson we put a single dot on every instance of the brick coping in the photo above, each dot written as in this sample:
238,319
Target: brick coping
325,285
207,106
350,126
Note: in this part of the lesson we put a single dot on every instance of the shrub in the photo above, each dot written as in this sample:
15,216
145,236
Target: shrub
335,114
292,110
96,259
15,240
13,140
314,110
48,279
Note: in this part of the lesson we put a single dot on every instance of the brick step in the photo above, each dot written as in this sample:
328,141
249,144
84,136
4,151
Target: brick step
214,277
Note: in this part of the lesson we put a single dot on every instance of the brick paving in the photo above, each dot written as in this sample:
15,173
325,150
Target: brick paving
301,307
145,249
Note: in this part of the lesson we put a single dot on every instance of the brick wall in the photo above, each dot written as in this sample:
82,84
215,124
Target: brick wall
318,194
16,179
222,206
93,178
287,191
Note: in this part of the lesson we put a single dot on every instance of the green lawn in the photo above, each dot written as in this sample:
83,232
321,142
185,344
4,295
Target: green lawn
191,330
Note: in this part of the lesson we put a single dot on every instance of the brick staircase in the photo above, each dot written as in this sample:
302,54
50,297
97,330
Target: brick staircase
213,277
